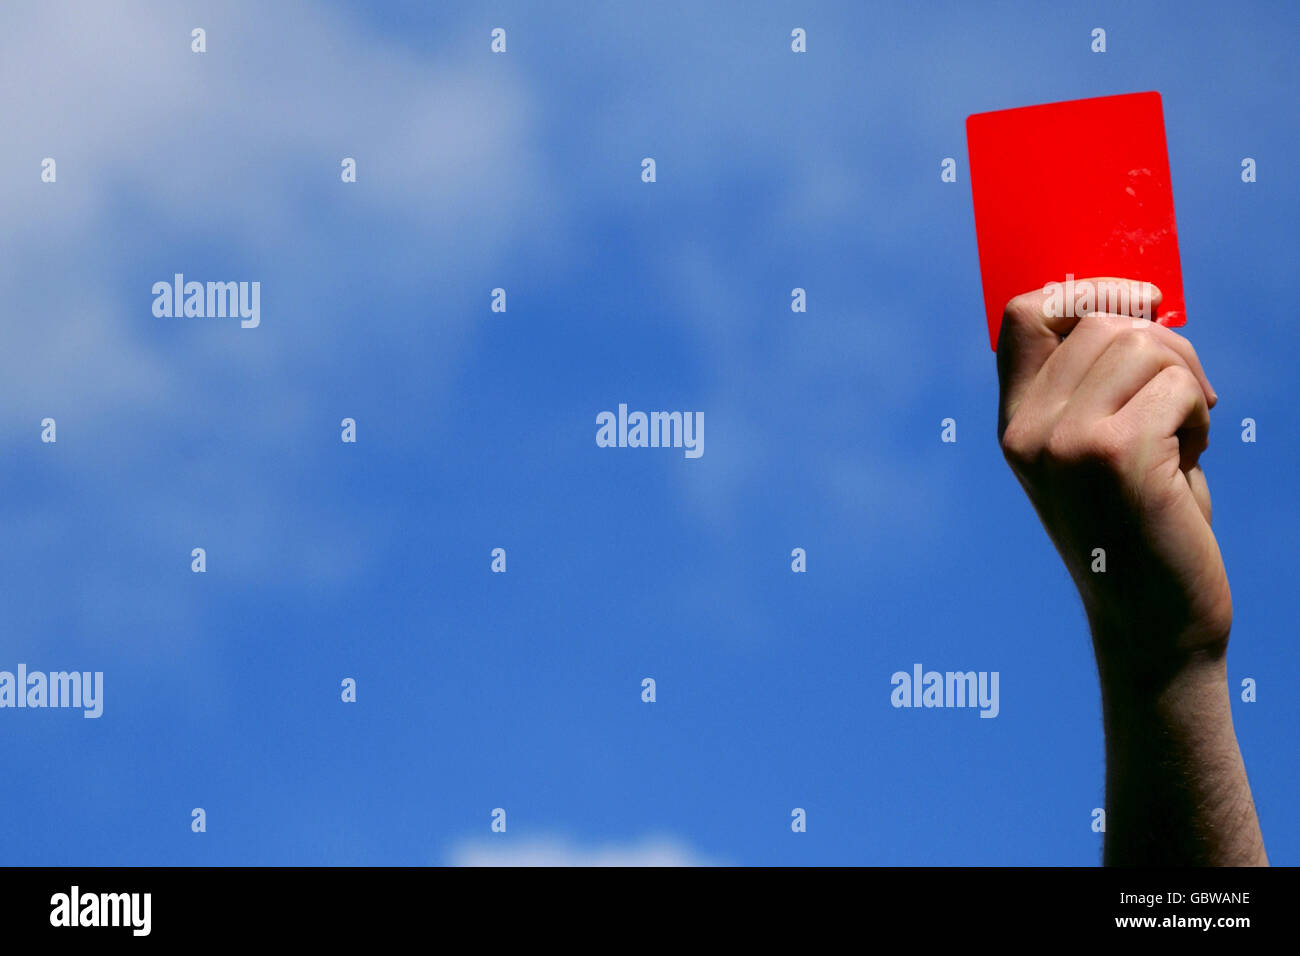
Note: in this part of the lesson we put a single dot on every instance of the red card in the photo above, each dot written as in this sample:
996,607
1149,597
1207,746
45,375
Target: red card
1070,191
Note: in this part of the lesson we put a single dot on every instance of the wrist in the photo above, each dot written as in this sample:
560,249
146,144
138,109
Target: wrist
1175,690
1142,648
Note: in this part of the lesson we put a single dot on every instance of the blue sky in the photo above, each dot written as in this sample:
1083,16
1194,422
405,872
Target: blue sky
476,429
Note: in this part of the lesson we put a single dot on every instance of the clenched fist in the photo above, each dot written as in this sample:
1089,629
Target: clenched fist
1103,419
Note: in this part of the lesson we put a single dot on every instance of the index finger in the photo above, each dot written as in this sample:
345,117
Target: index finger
1034,323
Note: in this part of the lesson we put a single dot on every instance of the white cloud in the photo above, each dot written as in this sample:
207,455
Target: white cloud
167,157
237,151
557,851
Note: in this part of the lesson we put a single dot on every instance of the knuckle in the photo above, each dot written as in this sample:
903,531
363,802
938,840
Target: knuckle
1110,328
1097,446
1135,341
1181,378
1105,446
1064,447
1016,446
1017,310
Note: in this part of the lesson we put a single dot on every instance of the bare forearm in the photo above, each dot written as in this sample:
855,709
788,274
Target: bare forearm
1103,420
1176,787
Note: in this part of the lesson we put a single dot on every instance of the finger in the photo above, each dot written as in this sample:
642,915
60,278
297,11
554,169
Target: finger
1129,361
1172,403
1033,325
1065,368
1200,491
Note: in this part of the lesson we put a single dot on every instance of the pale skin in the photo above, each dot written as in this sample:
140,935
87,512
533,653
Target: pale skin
1104,423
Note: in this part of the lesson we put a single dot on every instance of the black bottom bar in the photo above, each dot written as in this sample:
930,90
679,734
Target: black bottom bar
335,906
